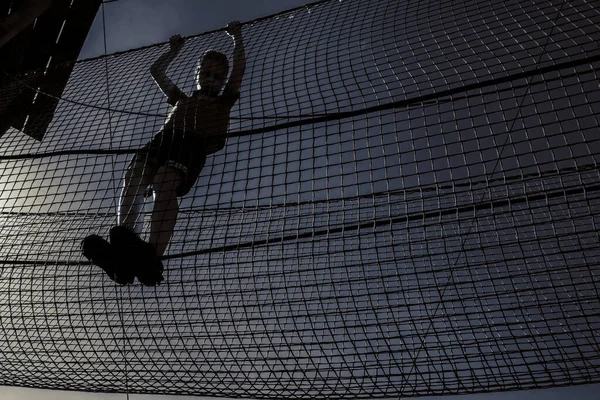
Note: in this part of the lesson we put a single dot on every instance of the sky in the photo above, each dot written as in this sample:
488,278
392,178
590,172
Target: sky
136,23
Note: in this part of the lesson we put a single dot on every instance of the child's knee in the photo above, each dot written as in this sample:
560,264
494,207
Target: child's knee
167,178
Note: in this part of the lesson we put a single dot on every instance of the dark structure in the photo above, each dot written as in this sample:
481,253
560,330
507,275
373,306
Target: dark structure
40,36
408,205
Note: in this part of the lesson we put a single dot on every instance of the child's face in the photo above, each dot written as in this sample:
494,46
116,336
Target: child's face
211,77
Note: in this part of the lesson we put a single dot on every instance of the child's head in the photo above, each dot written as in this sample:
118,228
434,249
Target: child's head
211,73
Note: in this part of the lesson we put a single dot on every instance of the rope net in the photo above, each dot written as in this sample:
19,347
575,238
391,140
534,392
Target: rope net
407,205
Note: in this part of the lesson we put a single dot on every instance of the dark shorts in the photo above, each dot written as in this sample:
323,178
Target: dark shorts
178,149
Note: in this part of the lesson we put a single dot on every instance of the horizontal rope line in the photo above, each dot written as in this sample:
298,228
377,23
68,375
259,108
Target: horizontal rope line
376,223
165,115
401,192
423,98
344,114
371,224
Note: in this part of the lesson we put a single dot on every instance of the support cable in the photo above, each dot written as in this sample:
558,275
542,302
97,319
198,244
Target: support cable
415,101
118,289
462,252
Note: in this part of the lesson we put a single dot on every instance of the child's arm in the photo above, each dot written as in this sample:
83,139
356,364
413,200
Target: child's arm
234,29
159,69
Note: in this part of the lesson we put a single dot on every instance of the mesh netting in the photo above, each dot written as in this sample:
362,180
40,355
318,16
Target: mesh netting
406,206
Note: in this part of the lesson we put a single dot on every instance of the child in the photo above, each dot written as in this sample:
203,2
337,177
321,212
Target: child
170,163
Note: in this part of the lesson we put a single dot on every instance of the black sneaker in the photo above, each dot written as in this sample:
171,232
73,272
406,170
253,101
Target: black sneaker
102,254
138,254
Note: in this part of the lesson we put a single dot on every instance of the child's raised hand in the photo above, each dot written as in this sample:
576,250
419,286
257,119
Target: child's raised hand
176,42
234,28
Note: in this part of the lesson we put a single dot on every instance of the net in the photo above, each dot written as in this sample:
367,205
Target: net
406,206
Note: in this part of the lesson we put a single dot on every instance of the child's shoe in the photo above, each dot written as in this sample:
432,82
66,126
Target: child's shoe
102,254
139,255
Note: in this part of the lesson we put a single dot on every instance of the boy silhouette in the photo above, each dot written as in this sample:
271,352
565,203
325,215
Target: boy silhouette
169,165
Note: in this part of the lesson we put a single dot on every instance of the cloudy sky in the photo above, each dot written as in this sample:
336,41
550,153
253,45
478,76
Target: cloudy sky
135,23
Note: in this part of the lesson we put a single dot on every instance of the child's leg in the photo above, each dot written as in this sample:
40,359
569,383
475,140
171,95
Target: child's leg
166,207
137,179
